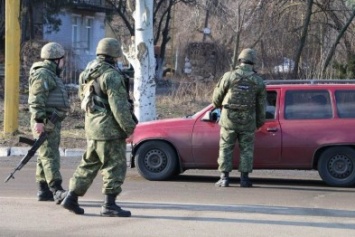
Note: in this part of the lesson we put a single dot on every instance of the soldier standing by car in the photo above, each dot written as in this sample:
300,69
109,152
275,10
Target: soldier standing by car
47,94
108,122
241,94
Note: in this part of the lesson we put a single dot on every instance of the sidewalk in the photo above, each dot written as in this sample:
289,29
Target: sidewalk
21,151
64,152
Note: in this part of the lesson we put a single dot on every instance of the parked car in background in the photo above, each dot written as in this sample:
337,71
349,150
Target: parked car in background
310,126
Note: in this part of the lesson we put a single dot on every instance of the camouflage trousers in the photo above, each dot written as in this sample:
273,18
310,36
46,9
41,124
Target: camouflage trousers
228,139
109,157
48,159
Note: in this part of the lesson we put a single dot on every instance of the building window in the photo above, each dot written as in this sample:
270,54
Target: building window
76,32
89,33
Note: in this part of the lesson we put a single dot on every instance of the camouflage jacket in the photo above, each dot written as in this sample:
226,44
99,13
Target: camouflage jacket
241,94
46,91
116,121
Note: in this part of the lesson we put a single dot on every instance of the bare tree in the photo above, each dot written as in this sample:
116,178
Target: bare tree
302,42
340,35
162,18
295,38
2,23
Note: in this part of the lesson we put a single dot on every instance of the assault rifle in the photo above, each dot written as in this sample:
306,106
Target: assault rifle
35,145
127,84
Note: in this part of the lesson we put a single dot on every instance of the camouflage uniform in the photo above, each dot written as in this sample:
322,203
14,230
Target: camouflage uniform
47,95
107,126
241,94
106,131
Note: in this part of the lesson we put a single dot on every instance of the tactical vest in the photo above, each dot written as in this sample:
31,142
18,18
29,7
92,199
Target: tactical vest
58,97
242,94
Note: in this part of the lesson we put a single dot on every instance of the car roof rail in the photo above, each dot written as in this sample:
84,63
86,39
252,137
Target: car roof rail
309,81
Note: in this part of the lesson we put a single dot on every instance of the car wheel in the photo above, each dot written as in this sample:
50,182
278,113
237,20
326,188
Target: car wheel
336,166
156,160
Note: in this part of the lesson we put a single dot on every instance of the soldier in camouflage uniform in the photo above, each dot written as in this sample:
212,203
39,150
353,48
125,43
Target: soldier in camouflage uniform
241,94
47,94
108,122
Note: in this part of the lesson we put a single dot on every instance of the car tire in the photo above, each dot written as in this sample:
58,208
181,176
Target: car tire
336,166
156,160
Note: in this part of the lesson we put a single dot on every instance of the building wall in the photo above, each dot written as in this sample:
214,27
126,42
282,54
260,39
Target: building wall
80,49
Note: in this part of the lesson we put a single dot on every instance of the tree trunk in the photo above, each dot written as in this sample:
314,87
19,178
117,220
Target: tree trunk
307,20
141,56
237,38
165,33
340,35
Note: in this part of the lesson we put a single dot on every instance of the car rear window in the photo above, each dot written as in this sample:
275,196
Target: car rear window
307,104
345,103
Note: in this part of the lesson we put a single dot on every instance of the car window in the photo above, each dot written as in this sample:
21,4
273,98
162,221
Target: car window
345,101
301,104
271,104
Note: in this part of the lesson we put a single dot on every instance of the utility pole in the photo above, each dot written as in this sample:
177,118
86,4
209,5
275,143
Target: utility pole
12,65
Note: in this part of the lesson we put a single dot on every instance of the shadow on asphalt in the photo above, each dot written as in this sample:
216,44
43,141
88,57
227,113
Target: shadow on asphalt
271,183
261,209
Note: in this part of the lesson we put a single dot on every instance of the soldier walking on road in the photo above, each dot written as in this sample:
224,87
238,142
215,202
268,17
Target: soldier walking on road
47,94
108,122
241,95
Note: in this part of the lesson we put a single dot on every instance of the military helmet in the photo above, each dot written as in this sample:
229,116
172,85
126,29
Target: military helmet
247,56
52,50
110,47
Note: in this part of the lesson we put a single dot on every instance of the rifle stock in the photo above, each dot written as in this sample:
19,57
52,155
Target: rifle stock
32,151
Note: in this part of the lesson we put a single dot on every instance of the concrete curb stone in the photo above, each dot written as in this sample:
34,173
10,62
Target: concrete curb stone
21,151
64,152
4,151
74,152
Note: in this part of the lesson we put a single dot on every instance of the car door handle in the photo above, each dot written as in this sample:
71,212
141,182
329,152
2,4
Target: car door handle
272,129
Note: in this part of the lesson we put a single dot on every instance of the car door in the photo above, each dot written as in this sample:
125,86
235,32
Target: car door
205,139
267,151
305,125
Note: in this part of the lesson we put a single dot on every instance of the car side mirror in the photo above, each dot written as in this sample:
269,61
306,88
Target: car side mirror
211,116
207,116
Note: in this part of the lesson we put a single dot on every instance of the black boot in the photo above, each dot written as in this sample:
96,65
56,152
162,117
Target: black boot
70,203
44,194
58,192
224,180
245,182
111,209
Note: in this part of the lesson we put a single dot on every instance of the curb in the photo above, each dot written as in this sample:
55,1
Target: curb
21,151
64,152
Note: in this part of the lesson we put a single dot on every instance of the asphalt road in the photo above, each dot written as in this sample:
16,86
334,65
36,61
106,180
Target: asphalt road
281,203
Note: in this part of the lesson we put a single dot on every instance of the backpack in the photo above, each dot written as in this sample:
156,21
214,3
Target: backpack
242,92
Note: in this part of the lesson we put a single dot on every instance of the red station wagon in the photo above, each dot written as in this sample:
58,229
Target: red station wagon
309,126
